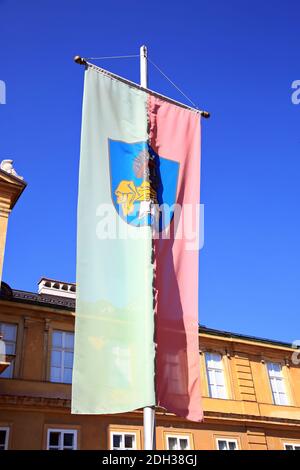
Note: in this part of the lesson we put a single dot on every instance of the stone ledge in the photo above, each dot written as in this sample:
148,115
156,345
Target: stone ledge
64,404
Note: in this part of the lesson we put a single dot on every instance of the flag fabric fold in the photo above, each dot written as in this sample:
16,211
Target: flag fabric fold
114,352
136,327
175,135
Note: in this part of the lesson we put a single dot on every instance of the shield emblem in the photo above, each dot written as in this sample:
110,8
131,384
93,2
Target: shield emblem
143,184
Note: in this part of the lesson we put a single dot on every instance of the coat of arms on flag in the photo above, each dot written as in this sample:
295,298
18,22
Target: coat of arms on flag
143,184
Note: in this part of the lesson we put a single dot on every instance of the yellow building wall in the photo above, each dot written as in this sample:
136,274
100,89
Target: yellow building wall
30,404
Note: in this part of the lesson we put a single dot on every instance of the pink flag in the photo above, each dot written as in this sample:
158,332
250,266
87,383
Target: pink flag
175,135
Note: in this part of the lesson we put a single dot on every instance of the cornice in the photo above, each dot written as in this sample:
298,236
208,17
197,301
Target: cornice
11,187
27,401
209,416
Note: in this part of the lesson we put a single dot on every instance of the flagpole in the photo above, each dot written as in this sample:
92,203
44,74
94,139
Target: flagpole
149,411
143,67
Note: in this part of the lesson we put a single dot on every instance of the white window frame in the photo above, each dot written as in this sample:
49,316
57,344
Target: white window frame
11,367
62,350
122,433
62,432
293,444
174,374
227,440
6,429
179,436
221,368
276,394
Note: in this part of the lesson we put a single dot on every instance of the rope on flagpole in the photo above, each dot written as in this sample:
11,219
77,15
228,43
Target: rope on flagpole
172,83
154,65
83,61
113,57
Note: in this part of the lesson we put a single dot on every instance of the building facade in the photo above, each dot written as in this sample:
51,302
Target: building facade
250,387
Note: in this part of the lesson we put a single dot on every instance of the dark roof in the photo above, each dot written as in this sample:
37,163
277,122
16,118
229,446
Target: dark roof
45,300
67,303
229,334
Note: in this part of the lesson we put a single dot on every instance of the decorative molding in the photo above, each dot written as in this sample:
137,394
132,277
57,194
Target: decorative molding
251,418
46,347
43,402
245,378
28,321
4,211
65,404
7,166
257,439
11,188
47,324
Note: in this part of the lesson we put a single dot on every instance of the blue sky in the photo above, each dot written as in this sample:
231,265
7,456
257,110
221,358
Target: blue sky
236,59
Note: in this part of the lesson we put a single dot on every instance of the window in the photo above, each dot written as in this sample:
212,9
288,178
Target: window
62,357
174,374
215,375
227,444
292,446
4,438
61,439
277,384
9,333
122,441
178,442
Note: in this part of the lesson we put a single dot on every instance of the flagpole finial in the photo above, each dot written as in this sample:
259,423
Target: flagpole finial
143,66
80,60
143,50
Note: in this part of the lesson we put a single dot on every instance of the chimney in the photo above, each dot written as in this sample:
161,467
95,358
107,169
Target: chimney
11,187
52,287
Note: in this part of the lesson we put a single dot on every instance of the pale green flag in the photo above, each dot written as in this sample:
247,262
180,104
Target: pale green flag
114,349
